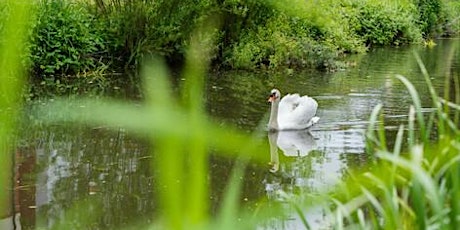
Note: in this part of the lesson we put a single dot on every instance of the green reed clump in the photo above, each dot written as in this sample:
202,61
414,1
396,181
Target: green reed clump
413,185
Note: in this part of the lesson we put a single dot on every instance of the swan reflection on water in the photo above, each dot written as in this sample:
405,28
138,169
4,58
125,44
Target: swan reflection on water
291,175
292,144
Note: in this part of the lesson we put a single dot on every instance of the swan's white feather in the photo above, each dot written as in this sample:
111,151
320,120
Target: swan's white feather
297,112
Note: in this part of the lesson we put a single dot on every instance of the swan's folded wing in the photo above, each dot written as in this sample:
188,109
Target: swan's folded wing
295,112
288,104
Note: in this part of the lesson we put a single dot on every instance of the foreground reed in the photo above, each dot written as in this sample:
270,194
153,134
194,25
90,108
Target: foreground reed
415,184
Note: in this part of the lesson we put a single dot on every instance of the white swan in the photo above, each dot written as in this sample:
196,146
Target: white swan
292,112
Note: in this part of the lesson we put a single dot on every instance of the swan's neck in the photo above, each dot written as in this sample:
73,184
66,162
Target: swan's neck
273,122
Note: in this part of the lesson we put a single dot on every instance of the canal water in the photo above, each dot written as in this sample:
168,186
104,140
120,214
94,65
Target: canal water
58,166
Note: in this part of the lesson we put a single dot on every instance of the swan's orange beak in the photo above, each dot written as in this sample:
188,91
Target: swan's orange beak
271,98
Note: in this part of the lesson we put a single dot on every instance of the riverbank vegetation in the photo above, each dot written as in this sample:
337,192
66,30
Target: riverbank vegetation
99,37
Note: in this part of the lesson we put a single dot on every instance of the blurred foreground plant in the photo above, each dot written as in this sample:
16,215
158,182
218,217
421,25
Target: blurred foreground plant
11,86
415,184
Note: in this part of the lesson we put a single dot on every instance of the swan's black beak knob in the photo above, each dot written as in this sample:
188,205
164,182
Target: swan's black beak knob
272,97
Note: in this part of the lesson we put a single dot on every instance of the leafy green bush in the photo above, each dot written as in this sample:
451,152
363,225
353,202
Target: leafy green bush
446,22
70,38
380,23
136,28
282,41
430,15
65,40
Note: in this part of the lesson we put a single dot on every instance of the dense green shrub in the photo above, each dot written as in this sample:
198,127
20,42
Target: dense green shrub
430,15
282,41
381,23
160,27
74,37
65,40
451,25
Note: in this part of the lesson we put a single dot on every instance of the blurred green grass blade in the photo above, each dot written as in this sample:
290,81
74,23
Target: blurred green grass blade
432,92
157,86
397,151
455,205
192,93
372,140
411,127
81,215
420,175
451,104
168,163
14,38
417,105
425,74
398,141
387,206
374,201
228,214
381,133
457,98
418,201
301,215
430,123
167,147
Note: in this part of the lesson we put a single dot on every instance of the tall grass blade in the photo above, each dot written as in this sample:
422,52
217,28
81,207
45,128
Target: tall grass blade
417,105
418,202
432,91
301,215
454,204
411,127
157,87
387,205
381,133
167,159
371,138
193,99
398,141
457,98
228,213
11,82
420,175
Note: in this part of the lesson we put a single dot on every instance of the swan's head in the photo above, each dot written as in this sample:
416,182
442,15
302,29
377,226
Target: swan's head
274,95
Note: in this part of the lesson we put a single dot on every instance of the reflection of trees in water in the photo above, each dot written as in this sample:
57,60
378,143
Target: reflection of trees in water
78,164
